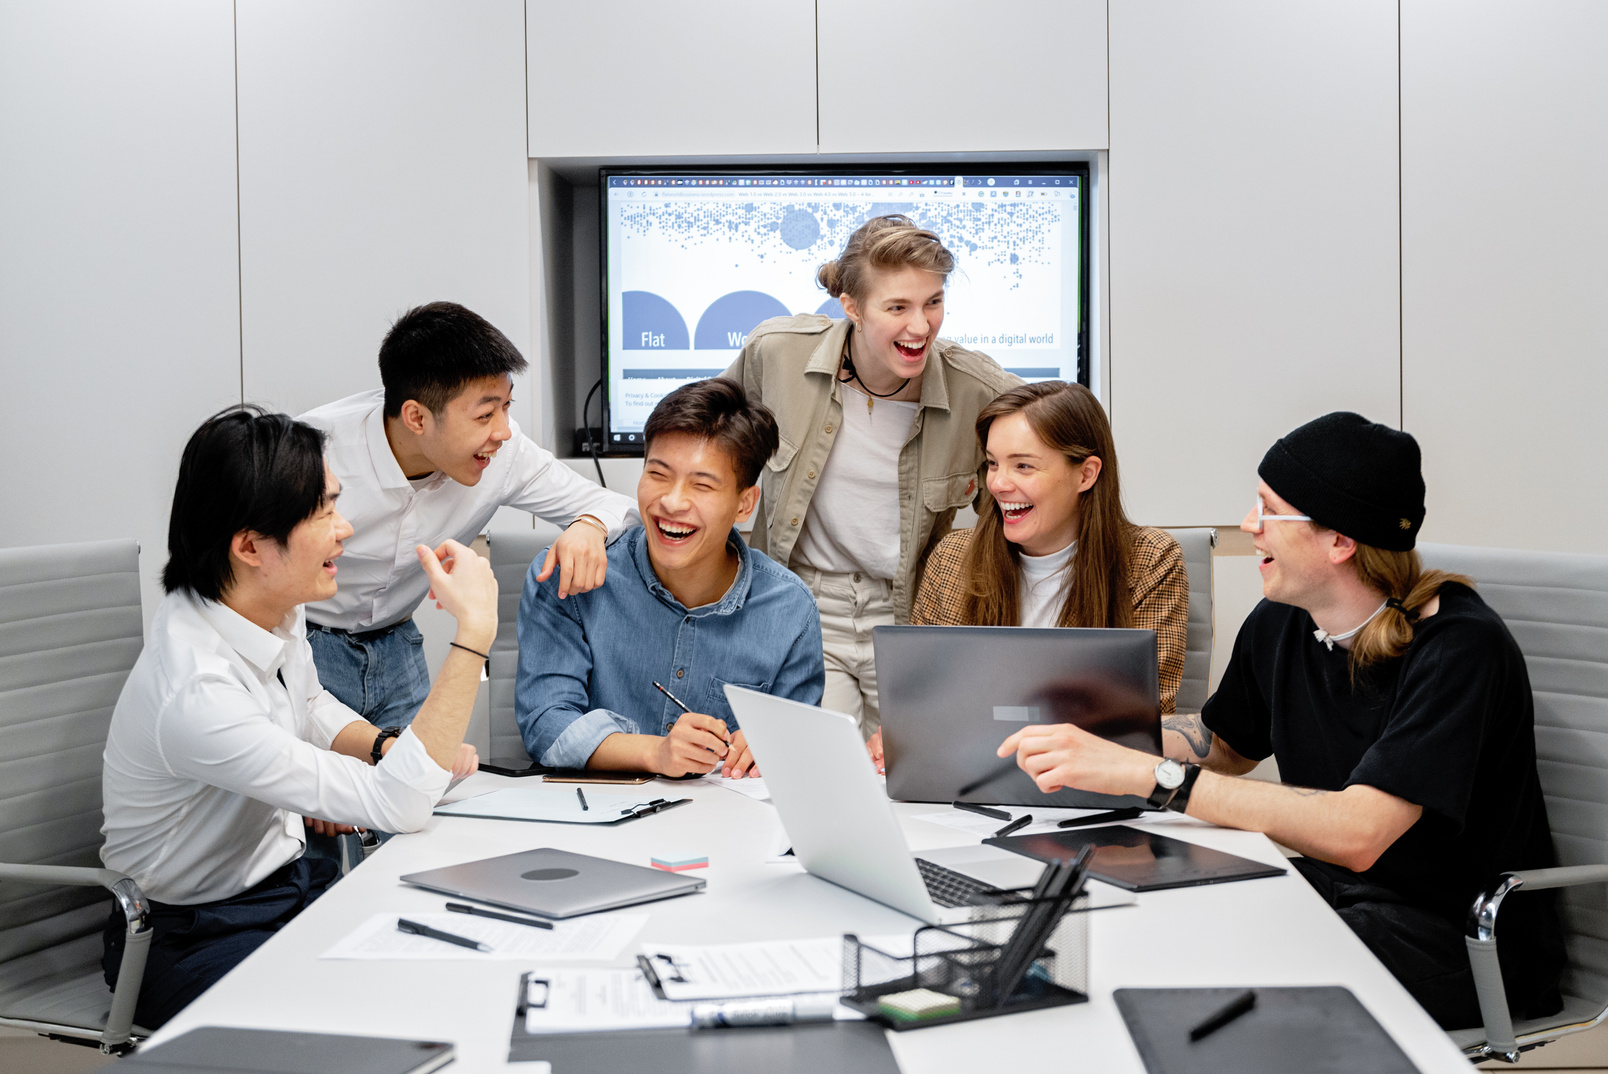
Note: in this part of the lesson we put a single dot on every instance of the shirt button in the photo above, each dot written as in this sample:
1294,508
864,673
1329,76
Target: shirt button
795,520
812,473
688,619
829,427
680,672
856,576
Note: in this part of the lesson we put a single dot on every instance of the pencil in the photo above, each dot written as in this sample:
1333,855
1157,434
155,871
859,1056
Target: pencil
679,703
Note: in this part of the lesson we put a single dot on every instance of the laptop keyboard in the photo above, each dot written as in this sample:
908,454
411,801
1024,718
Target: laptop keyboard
949,888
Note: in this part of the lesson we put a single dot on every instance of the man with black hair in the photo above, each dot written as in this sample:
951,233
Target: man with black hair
686,603
431,456
1398,708
223,737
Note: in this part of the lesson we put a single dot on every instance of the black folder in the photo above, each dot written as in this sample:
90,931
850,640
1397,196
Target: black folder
1139,860
1311,1030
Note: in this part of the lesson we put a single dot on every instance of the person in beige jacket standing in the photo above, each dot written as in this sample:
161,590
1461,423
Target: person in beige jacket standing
878,445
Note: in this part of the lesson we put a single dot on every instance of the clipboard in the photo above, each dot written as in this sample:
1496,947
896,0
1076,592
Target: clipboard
1312,1030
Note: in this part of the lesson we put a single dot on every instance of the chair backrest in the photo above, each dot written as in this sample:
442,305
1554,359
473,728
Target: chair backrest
510,552
70,631
1197,545
1556,606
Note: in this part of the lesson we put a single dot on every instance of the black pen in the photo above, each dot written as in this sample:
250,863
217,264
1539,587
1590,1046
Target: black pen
1014,826
679,703
584,807
987,811
1231,1010
416,929
1101,818
464,908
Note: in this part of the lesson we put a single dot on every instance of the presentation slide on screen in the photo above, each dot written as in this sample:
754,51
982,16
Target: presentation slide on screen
695,262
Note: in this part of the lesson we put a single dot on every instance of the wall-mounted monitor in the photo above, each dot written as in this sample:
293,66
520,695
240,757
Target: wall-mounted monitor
694,258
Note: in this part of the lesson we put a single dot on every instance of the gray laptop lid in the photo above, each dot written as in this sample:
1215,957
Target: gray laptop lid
224,1050
555,883
950,695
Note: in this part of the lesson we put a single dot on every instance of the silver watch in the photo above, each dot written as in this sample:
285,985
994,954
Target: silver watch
1169,777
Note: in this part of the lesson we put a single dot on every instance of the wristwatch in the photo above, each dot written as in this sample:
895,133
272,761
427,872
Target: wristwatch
1169,777
379,740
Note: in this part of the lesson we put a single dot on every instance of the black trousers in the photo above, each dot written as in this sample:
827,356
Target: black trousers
1426,952
194,946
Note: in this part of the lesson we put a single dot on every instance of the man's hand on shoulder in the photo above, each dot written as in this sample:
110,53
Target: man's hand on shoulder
581,555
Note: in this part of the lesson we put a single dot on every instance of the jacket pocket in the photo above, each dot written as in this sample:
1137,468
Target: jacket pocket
940,494
774,477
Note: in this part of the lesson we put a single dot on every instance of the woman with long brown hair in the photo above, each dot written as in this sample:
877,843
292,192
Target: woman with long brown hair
1052,546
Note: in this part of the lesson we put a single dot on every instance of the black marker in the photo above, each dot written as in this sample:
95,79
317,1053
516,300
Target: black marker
1101,818
416,929
1014,826
584,807
987,811
1235,1007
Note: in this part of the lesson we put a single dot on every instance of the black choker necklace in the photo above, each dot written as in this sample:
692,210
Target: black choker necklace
848,367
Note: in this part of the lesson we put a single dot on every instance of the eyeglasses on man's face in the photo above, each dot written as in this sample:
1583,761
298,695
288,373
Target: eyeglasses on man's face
1262,516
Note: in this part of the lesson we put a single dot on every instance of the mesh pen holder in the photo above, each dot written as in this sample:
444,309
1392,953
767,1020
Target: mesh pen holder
963,960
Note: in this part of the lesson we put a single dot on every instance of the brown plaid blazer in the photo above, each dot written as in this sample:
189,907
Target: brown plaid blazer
1157,577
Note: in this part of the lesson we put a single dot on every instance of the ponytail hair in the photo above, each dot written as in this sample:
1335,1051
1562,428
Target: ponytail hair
883,243
1407,587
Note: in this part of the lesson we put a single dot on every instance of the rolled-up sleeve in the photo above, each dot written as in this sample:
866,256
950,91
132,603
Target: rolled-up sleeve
215,731
550,490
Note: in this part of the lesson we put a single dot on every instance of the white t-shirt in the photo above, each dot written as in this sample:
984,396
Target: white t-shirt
853,520
1043,586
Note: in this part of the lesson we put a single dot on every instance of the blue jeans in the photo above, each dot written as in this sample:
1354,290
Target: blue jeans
193,946
380,676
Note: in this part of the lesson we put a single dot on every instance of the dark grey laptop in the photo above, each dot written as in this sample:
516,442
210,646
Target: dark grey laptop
555,883
950,695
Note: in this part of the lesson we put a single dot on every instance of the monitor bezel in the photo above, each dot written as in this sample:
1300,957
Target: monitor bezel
1079,168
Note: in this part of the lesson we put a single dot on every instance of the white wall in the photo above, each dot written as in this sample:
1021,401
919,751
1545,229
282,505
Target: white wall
1505,282
119,299
1253,238
382,165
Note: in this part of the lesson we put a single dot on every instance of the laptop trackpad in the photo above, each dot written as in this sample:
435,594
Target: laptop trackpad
1003,869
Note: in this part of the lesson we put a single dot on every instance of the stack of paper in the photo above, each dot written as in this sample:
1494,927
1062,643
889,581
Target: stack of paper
593,938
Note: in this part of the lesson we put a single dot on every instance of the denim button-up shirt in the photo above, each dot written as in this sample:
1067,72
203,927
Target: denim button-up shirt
587,663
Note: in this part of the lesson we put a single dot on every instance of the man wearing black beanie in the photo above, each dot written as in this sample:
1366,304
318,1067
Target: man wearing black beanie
1398,708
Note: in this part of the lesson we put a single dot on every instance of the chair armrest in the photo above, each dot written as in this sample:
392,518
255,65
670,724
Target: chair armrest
136,943
1481,941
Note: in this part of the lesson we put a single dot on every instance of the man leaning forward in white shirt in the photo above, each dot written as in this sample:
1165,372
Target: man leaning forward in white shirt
223,739
428,457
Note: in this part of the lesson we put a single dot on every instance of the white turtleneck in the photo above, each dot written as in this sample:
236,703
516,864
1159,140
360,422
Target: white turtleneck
1043,578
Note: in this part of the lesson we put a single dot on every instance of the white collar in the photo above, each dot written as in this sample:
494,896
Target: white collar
262,649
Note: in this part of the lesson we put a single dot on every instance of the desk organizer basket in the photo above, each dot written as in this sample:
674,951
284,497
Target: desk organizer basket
960,960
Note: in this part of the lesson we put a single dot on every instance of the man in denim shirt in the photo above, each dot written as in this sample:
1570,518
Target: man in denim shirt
685,602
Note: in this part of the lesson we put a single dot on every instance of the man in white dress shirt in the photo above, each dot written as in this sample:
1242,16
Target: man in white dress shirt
223,738
431,456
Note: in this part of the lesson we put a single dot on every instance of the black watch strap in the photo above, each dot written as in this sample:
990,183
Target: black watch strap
1180,798
379,740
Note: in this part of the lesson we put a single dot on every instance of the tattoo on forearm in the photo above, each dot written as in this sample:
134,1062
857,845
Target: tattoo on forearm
1195,733
1309,792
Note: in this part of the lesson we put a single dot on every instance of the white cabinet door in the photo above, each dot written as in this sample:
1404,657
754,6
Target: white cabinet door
1253,232
639,78
1505,281
119,299
954,76
382,165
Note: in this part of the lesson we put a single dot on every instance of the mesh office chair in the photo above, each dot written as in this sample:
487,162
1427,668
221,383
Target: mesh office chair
510,553
1197,545
1556,606
70,631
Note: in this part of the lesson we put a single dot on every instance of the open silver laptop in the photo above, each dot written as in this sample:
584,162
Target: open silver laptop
842,825
950,695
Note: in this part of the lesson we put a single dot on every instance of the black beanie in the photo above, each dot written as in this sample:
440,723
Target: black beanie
1352,476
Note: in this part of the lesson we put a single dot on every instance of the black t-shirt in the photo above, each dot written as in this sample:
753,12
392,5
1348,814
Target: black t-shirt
1449,726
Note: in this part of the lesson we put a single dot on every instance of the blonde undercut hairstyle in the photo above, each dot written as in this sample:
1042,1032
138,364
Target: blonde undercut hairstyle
882,244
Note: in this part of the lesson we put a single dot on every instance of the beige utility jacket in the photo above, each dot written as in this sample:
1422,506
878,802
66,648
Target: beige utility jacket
791,364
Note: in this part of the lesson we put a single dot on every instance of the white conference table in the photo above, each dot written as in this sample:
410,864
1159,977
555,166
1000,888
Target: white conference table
1265,932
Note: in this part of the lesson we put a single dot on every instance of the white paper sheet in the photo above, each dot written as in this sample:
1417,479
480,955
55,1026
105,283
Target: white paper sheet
593,938
751,786
727,971
599,999
548,803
